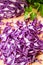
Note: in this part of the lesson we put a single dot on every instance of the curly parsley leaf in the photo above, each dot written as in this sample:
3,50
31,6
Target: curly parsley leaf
33,15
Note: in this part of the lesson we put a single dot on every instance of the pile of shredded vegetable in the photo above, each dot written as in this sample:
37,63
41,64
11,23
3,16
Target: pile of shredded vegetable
11,8
20,45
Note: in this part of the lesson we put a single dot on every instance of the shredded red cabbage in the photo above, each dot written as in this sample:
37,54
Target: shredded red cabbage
21,45
11,8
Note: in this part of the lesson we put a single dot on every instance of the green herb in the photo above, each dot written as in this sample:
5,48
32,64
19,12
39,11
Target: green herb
32,15
29,1
41,10
30,9
32,1
26,15
27,11
37,5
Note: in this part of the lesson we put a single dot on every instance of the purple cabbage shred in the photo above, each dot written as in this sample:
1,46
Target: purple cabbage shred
11,8
21,45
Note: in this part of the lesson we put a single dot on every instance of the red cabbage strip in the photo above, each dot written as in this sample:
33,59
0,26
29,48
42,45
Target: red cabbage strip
21,45
9,9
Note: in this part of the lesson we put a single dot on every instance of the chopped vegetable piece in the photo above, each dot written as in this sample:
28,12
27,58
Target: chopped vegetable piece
9,8
19,46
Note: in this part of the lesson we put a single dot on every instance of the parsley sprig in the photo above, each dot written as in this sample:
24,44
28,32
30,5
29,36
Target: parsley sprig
37,4
29,10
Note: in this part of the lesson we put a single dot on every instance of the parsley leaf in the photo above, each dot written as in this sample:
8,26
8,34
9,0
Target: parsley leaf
41,10
25,15
27,11
33,15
